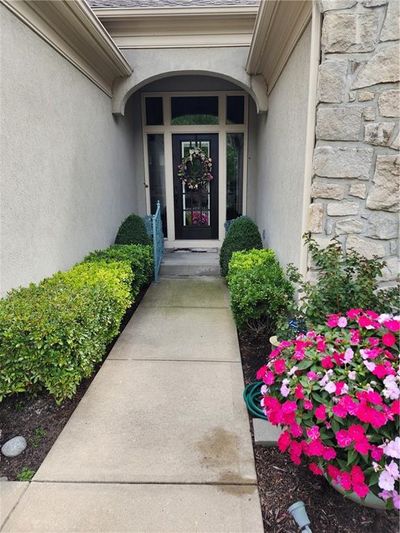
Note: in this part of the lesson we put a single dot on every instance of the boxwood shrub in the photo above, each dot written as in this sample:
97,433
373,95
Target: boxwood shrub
132,231
52,334
259,291
140,258
242,234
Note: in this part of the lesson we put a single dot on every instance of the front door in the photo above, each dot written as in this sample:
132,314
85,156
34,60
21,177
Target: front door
196,209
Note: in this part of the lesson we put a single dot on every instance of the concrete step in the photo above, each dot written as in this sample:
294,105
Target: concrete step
190,263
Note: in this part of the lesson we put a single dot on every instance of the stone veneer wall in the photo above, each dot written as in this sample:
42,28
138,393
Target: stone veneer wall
355,187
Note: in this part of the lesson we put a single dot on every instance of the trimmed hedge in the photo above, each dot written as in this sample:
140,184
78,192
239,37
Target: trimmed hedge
52,334
259,291
132,231
242,234
140,258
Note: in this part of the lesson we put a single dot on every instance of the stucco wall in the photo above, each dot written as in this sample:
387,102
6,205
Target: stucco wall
67,164
280,156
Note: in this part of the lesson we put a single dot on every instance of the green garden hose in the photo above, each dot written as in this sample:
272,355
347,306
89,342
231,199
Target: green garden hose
252,397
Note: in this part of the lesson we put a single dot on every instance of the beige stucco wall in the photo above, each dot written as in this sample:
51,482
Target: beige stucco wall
280,156
66,164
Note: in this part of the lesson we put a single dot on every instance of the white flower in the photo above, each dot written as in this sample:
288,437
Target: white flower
382,318
292,371
330,387
392,449
348,355
352,375
369,365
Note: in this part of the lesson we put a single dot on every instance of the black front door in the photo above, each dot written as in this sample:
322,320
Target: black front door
196,210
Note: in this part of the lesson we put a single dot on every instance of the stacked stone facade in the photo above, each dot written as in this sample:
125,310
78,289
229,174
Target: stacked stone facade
355,188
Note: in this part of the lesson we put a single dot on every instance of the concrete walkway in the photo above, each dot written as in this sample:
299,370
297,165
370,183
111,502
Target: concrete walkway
160,442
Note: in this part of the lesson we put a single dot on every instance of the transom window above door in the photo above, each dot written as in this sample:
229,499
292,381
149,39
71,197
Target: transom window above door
196,110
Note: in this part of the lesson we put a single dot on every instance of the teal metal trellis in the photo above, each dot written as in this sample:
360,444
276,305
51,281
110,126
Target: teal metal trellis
154,229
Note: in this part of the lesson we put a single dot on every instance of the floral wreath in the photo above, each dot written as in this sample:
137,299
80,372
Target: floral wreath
195,176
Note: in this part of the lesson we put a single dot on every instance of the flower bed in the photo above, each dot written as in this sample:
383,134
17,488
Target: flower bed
335,391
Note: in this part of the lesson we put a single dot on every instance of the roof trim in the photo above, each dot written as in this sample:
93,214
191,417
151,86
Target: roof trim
172,27
168,11
279,26
71,28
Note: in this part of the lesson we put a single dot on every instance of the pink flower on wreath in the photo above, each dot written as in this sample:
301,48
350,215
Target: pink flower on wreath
261,372
299,394
312,375
342,322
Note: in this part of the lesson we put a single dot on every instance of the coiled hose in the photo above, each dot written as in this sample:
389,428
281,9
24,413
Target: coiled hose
252,397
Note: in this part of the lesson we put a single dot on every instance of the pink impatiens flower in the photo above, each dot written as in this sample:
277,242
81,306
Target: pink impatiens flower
343,438
313,432
389,339
320,412
279,366
284,441
315,469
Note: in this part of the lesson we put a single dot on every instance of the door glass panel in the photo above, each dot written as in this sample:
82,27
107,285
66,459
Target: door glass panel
234,175
194,110
235,109
154,111
155,143
195,202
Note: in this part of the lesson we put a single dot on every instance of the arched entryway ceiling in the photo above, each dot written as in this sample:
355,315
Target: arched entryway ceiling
151,65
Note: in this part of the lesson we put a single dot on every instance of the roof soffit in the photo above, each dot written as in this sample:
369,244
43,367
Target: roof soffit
180,27
279,26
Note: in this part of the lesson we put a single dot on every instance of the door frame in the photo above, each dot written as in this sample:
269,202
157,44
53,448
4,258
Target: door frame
167,130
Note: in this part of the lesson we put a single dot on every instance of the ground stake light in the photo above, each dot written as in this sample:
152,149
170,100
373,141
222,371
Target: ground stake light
299,514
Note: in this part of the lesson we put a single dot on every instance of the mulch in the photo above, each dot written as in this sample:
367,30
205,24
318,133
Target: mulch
281,482
39,419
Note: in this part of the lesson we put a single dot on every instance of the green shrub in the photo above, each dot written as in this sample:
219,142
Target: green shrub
259,291
345,280
139,256
132,231
53,334
242,234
